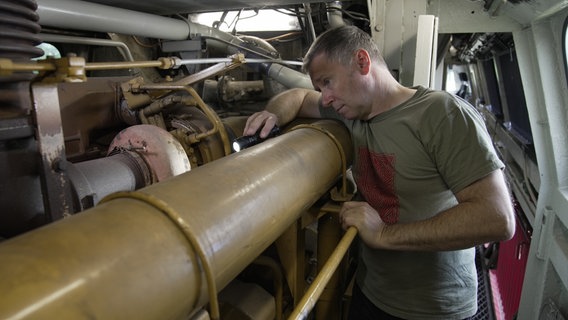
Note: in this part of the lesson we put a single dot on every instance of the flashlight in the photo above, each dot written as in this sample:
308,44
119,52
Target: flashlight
249,141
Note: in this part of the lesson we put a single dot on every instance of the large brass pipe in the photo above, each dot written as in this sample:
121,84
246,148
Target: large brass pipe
126,259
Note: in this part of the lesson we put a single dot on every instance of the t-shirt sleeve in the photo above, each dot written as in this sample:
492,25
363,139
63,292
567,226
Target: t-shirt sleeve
462,148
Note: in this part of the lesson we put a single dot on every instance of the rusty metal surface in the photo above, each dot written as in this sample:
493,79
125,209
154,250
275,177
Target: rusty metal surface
56,187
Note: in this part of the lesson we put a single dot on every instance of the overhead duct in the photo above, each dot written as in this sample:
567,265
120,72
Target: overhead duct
81,15
130,257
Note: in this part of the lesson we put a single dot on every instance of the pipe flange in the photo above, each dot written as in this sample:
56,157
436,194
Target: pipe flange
163,154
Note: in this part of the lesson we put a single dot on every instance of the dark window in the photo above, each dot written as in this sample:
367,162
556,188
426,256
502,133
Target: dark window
516,104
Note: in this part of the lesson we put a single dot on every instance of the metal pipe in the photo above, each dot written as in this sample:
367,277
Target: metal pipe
236,60
316,288
228,60
126,65
284,75
121,46
125,259
8,66
289,77
328,236
93,180
334,15
81,15
309,22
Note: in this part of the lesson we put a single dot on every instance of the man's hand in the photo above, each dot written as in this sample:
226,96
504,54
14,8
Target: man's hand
283,108
366,219
263,119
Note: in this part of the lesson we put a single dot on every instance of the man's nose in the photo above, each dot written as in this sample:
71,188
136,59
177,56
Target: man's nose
327,98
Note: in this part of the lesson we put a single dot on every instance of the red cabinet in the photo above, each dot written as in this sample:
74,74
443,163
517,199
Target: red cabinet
507,278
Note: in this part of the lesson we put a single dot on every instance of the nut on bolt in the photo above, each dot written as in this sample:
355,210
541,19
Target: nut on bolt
169,62
59,165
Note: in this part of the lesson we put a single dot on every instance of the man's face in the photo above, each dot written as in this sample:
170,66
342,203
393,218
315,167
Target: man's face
340,85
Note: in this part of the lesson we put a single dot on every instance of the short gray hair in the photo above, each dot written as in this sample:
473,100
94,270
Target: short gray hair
339,45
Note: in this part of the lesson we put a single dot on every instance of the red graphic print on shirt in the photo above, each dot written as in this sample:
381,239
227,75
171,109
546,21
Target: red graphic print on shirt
375,180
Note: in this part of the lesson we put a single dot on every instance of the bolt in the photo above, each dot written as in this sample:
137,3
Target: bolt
59,165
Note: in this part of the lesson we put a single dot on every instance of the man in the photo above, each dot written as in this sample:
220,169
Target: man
426,167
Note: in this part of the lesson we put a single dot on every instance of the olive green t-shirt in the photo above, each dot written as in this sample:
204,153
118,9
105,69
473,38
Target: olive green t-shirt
409,163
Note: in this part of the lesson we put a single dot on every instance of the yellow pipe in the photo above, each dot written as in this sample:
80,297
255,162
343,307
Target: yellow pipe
124,65
328,236
127,259
190,236
342,195
6,65
309,299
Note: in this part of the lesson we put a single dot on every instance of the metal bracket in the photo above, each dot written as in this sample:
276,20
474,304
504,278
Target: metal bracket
57,196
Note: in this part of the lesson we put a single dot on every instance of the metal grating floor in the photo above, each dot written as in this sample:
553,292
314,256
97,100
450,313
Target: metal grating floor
484,300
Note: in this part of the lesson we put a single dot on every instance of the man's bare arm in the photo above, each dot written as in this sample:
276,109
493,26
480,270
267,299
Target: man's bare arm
282,109
484,214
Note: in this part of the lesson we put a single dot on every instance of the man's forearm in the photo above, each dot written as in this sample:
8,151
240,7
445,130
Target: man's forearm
461,227
284,108
293,103
484,214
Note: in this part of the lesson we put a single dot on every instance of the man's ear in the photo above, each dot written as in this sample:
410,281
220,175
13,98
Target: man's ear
363,61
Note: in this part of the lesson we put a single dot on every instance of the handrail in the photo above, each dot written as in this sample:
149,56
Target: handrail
315,290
